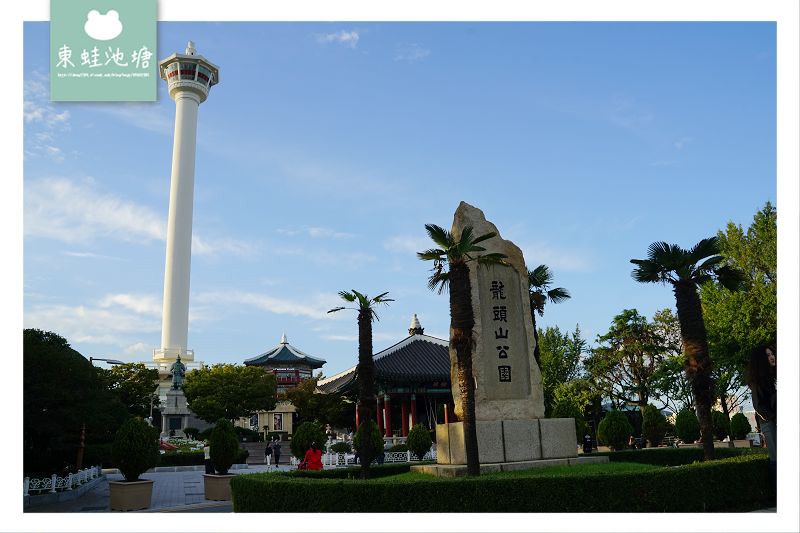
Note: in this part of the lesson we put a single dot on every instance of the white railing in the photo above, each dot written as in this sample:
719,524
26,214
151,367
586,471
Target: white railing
56,483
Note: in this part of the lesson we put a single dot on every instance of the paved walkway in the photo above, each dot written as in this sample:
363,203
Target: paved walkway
172,491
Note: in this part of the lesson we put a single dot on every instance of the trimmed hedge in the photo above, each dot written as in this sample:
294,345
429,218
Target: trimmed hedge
378,471
194,458
740,426
735,484
676,456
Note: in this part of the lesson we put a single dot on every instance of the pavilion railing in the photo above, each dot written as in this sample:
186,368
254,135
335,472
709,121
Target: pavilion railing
57,483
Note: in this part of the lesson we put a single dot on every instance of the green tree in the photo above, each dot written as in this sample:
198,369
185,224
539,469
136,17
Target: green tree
134,384
614,430
560,360
365,370
539,281
62,394
738,321
669,380
224,446
740,426
451,272
229,391
312,405
304,436
419,440
569,405
654,425
135,448
685,270
625,362
687,426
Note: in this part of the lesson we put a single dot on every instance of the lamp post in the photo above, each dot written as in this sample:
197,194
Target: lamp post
109,361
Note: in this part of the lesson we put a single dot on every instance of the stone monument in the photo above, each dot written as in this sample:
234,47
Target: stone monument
509,402
175,412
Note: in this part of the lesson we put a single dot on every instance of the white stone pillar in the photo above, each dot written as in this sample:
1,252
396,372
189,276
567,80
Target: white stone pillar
175,323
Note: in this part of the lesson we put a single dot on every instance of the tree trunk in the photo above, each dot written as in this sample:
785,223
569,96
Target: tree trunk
462,320
366,388
536,352
697,363
723,400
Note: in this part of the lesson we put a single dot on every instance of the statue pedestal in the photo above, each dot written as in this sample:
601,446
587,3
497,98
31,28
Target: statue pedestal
174,414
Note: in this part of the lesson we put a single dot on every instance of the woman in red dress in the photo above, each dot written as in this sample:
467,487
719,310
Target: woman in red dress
313,458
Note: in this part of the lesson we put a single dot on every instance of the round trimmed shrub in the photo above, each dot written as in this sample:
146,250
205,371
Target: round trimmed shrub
568,407
306,434
399,448
721,425
687,426
341,447
654,425
614,430
740,426
135,448
224,446
368,430
419,440
191,432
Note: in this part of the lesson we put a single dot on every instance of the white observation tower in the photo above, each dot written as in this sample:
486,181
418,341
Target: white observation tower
189,77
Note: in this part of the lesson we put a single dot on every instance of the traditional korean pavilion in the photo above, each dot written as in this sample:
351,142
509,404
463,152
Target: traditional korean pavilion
412,380
290,365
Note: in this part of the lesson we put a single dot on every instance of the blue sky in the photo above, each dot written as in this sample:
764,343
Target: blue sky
326,148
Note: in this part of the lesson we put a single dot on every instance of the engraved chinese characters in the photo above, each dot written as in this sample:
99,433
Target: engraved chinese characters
505,369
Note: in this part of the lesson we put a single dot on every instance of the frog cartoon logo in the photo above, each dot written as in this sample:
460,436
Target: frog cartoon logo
102,27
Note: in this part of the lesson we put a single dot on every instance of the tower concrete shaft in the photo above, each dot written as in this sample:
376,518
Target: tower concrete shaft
189,77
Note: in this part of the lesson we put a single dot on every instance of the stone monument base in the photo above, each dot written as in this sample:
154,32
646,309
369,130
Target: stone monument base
508,441
489,468
174,414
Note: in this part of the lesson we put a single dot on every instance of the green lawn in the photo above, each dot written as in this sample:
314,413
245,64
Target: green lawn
550,471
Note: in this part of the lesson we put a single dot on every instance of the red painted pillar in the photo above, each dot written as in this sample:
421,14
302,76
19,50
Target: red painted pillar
379,414
404,420
387,411
357,409
447,413
413,410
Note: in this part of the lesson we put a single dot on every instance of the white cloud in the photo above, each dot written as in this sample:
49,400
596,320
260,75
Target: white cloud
315,309
410,52
89,255
68,211
410,244
89,324
315,232
376,337
346,38
141,304
146,116
346,260
555,258
683,141
42,119
139,348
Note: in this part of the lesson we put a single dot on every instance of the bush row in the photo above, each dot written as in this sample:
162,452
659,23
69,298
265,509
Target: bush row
375,471
675,456
193,458
735,484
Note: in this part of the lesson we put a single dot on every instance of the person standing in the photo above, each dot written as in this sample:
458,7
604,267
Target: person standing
268,454
207,457
762,380
276,451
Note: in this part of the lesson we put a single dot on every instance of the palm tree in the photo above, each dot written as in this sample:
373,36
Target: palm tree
539,281
365,371
456,254
685,270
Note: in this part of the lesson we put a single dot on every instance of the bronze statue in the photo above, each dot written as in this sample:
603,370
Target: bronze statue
177,371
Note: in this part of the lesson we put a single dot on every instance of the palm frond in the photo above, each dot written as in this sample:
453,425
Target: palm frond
704,248
335,309
484,237
432,254
558,295
347,296
439,281
670,256
711,263
466,237
381,299
647,271
439,235
730,278
495,258
540,277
